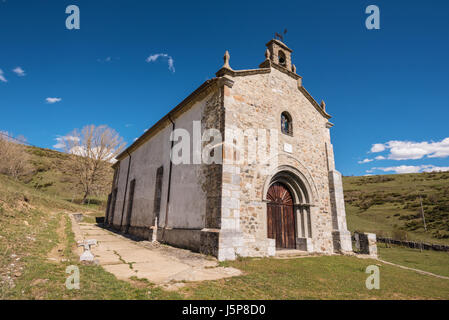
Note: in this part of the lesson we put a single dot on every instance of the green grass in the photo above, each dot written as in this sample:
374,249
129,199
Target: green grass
389,205
95,282
15,196
27,236
430,261
326,277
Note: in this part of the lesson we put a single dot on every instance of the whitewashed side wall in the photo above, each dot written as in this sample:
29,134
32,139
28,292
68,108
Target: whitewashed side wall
187,200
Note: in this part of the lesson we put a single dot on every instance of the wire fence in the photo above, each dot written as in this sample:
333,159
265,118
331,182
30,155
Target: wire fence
21,141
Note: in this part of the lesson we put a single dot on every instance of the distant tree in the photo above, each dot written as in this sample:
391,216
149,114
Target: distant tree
92,151
14,160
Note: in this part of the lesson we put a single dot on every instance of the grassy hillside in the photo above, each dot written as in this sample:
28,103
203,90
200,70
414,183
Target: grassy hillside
389,205
36,246
50,177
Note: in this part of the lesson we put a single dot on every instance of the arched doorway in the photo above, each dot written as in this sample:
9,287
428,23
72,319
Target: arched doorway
280,216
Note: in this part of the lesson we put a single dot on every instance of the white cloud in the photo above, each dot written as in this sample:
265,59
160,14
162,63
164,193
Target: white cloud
53,100
106,60
59,145
435,169
80,150
413,169
93,153
19,71
409,150
2,77
61,141
401,169
365,161
378,147
171,62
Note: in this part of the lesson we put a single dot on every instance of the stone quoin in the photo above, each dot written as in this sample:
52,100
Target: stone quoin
238,208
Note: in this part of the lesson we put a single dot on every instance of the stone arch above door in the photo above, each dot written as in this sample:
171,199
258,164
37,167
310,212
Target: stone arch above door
305,198
302,187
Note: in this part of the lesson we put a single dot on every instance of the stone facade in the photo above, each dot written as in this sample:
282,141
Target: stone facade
223,207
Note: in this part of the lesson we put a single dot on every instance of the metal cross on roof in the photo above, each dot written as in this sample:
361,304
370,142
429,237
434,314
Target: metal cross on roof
280,36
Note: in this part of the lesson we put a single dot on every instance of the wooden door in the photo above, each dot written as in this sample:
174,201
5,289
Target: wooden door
281,217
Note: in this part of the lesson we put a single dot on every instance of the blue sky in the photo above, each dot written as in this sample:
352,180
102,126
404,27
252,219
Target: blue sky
381,85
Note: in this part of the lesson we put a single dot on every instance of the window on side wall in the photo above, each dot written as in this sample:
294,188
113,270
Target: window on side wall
286,123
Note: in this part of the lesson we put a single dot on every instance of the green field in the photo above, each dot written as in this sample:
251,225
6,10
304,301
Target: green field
389,206
426,260
327,277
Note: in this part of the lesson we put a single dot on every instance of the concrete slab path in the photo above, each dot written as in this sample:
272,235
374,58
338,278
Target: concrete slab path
159,264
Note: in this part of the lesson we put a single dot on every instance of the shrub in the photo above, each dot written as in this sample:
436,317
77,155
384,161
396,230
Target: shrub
14,160
399,234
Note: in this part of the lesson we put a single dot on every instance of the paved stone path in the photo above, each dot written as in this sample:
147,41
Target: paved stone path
160,264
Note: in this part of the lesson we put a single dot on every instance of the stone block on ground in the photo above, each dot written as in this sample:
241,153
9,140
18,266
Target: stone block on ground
366,243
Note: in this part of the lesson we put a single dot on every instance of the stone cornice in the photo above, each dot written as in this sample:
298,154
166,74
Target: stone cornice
240,73
225,81
285,70
270,64
313,102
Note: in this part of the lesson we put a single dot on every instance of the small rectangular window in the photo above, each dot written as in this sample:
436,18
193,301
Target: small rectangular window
132,187
108,207
158,192
114,201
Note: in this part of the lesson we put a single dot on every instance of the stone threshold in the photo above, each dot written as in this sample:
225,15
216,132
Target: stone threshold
291,253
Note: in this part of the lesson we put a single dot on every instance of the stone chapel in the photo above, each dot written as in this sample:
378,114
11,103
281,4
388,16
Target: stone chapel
237,207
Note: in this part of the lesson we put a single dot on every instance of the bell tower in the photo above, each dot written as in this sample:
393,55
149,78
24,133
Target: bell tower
278,53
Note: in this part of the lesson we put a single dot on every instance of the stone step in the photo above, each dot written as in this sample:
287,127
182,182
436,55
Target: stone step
289,253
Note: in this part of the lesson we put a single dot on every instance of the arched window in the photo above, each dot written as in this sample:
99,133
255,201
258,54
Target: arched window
282,59
286,123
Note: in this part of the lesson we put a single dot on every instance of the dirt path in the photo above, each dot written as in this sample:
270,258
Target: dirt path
362,256
412,269
167,266
57,253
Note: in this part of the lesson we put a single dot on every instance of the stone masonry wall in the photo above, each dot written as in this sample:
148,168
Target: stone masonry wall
257,101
